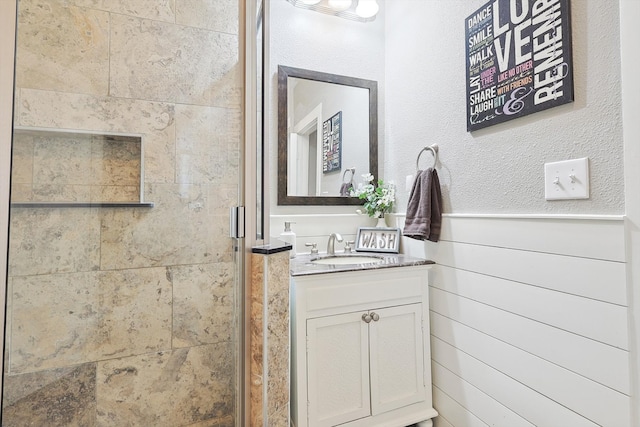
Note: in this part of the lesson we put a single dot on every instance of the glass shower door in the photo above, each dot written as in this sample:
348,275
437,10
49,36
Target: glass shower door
123,282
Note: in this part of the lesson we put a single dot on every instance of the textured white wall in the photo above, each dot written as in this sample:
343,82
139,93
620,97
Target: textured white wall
305,39
500,169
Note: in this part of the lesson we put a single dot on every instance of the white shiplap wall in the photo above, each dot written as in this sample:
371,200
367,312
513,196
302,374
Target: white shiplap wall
529,322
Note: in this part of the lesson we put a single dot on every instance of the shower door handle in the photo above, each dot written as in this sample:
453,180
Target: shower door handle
236,222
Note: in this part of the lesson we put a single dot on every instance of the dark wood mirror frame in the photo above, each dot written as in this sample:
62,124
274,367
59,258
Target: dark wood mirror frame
283,138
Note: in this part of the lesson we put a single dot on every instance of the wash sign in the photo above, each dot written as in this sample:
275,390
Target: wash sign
518,60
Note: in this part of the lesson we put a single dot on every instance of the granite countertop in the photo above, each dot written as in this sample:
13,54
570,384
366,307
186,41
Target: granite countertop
301,265
274,247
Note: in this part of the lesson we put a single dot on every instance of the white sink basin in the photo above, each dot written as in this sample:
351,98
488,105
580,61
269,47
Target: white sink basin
347,260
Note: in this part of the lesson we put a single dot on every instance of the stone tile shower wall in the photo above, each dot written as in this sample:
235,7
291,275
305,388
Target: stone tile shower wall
49,167
125,316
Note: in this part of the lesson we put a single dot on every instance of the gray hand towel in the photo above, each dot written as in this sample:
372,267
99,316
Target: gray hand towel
424,210
345,189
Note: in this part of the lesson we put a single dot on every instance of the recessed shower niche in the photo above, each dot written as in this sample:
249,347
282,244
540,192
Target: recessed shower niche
53,167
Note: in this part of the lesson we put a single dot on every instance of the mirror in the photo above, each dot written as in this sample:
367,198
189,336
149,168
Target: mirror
327,135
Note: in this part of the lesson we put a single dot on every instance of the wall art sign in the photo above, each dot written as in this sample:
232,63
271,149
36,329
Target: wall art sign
518,60
378,239
332,143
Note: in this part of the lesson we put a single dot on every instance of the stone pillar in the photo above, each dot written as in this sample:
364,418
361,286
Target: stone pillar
269,371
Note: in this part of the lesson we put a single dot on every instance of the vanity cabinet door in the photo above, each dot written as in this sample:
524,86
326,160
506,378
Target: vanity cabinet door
397,362
337,369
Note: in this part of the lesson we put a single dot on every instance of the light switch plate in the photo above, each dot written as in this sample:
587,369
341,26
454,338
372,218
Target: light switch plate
568,179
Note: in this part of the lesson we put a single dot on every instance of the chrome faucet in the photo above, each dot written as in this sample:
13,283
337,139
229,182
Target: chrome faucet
331,243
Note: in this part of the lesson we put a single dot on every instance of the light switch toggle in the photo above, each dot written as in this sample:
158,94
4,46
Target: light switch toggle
568,179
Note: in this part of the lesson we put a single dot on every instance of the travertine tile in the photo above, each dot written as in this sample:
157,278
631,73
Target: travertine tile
115,193
161,10
278,352
256,331
173,388
22,159
62,47
229,421
225,421
278,338
64,319
61,397
275,270
226,196
163,62
60,193
115,162
182,228
21,193
207,144
216,15
278,274
62,160
7,324
203,303
64,167
45,241
65,312
280,418
16,105
75,111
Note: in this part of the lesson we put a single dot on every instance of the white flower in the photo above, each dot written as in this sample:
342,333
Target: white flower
378,200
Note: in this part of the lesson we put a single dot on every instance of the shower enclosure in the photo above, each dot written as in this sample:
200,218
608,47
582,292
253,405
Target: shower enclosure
124,287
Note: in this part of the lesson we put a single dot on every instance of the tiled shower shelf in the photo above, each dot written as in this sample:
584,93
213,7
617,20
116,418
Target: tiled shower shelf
63,168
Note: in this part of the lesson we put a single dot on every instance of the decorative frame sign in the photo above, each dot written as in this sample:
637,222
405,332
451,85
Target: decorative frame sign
378,239
519,60
332,144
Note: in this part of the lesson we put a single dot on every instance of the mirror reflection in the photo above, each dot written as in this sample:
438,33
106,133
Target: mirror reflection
327,135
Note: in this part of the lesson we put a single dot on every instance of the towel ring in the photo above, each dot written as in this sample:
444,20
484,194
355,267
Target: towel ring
353,173
434,150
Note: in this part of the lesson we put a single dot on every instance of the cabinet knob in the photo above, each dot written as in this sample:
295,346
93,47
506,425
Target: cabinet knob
366,317
375,316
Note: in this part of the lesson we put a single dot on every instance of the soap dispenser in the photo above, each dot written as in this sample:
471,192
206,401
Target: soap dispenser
290,237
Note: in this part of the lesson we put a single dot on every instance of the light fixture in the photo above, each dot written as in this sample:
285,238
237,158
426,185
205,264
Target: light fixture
340,5
356,10
367,8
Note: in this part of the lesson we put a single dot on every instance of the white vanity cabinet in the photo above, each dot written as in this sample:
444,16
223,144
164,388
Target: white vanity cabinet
360,348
